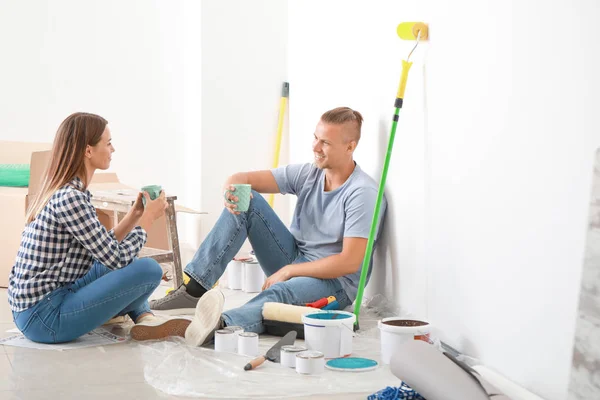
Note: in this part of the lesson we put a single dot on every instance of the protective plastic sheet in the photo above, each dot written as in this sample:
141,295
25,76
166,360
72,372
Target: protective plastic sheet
176,369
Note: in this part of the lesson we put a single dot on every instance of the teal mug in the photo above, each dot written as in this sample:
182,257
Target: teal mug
153,191
242,192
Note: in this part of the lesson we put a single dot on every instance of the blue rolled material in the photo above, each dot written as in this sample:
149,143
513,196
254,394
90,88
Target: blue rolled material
403,392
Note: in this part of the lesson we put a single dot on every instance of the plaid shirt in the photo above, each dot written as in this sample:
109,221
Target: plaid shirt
60,245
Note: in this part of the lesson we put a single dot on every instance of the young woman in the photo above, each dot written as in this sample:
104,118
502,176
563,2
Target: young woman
71,275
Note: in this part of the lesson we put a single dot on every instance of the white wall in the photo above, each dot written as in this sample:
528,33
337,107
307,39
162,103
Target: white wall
244,53
153,68
490,178
136,63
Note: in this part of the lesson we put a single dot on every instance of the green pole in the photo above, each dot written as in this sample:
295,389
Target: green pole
373,232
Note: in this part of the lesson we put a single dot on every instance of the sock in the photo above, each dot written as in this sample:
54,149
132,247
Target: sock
194,289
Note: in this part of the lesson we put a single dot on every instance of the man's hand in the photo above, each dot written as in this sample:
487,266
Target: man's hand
282,275
347,262
229,195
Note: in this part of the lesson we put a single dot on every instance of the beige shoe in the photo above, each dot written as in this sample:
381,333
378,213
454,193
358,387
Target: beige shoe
152,327
206,318
119,319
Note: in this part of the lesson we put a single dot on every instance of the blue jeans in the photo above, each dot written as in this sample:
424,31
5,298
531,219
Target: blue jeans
78,308
274,247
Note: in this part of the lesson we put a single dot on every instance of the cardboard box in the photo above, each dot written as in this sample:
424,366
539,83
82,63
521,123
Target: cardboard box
14,202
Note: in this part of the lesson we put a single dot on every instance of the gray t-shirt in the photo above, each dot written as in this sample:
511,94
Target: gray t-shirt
322,219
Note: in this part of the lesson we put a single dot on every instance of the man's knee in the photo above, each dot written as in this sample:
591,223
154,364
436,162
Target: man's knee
257,199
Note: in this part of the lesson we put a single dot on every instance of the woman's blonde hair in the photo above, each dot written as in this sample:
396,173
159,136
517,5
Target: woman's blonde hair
74,134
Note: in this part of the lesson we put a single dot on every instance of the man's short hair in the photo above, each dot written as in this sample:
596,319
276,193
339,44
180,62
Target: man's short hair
342,115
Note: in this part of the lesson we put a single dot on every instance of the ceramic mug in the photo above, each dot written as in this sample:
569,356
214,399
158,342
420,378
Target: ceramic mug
242,192
153,191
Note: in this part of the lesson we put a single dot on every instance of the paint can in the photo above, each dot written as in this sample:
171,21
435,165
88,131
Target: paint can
225,340
254,277
288,355
236,330
310,362
248,344
395,331
223,281
329,332
234,275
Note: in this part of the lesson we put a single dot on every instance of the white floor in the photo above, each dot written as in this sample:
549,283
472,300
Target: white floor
93,373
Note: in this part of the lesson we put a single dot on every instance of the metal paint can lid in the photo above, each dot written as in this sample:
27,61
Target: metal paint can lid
248,334
224,332
310,354
292,349
233,328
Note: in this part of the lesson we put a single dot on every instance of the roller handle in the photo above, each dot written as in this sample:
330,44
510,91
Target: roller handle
319,303
257,362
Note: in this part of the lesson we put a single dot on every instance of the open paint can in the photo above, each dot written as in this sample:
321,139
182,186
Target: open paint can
236,330
329,332
253,276
234,275
310,362
248,344
225,340
395,331
288,355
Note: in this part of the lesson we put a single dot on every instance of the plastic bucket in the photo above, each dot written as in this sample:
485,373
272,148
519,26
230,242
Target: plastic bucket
329,332
394,331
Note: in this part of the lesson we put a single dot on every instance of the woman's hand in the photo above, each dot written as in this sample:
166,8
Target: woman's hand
138,207
154,210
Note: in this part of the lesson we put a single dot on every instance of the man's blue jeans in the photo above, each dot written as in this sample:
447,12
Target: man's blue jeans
76,309
274,246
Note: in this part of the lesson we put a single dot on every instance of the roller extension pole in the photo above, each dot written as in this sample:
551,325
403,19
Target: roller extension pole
369,251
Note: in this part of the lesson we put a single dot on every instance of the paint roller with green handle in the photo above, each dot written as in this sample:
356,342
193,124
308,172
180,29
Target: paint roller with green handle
419,30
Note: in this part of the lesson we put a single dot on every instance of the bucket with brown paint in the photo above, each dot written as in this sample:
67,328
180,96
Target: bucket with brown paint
394,331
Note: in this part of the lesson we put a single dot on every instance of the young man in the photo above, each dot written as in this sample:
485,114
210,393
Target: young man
319,256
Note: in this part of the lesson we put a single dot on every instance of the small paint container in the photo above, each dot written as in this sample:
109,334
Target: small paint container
234,275
225,340
310,362
236,330
254,277
288,355
248,344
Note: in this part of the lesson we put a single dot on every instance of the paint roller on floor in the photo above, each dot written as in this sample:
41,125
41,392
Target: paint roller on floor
280,318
